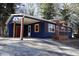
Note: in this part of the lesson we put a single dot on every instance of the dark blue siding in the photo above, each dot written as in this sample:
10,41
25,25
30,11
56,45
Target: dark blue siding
46,33
70,33
25,30
43,33
41,30
10,29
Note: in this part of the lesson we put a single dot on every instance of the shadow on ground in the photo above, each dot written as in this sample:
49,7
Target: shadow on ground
71,43
22,48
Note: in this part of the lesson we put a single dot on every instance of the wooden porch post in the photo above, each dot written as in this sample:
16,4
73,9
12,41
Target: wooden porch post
21,28
14,29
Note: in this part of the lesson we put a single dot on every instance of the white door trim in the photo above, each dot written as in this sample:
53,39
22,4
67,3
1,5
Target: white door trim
29,30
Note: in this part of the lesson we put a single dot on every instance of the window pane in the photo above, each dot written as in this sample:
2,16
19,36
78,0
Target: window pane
51,28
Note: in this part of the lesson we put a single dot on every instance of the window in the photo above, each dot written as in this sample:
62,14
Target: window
36,27
51,28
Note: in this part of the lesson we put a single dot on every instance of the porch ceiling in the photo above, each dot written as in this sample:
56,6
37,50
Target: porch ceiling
26,21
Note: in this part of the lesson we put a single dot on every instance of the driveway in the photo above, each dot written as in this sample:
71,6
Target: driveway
35,47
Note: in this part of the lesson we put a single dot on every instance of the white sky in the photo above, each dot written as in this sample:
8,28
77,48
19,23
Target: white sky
39,1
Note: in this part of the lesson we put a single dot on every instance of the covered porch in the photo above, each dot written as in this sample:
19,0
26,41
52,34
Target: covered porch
22,26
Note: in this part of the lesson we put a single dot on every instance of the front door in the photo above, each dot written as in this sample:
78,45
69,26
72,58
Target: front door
29,30
17,31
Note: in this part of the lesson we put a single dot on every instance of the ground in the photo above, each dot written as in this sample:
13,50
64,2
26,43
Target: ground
37,47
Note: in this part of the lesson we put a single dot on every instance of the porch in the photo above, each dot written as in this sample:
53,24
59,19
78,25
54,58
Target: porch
22,26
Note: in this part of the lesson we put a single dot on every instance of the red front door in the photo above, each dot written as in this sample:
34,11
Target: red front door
17,33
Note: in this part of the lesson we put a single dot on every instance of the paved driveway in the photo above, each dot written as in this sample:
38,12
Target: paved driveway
35,47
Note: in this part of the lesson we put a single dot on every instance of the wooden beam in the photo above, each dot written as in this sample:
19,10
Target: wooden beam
22,27
14,24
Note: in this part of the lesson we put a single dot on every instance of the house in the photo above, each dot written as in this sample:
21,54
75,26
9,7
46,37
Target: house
29,26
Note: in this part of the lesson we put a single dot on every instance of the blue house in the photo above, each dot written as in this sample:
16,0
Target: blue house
35,27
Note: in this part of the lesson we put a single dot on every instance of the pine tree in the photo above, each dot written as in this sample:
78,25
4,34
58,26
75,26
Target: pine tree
47,10
5,10
65,13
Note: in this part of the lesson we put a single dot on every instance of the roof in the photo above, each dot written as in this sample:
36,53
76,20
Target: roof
31,17
27,16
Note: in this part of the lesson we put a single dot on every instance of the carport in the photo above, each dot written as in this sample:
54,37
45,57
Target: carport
22,20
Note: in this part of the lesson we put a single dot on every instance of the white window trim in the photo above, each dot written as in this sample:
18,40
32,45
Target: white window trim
51,26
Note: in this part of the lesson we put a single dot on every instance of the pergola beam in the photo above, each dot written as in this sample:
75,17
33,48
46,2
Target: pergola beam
22,28
14,24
